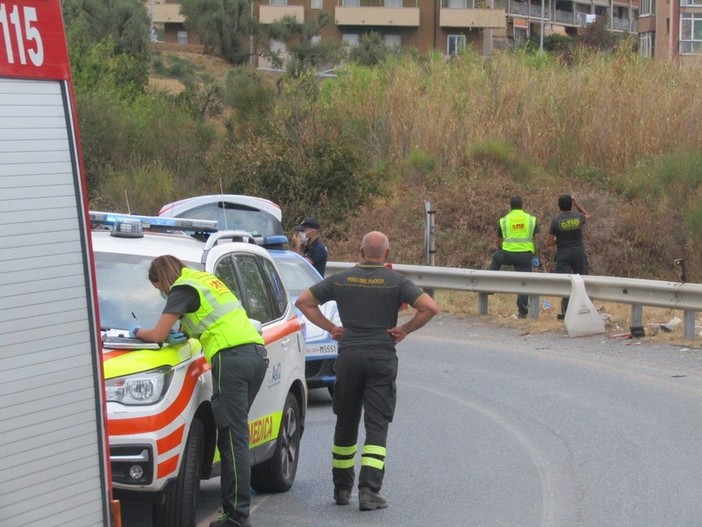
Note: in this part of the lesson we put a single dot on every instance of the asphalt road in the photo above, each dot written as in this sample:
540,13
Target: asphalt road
499,427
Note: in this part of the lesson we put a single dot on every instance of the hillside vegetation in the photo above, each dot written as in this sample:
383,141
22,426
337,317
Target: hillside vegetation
365,150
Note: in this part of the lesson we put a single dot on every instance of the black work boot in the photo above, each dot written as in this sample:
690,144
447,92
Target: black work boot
342,496
369,500
225,520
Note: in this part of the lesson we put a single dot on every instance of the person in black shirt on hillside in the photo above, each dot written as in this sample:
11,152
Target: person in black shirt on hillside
566,235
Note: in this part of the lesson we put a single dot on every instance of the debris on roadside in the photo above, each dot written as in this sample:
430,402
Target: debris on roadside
671,325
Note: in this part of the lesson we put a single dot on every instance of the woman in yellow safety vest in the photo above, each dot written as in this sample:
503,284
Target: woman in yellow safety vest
210,312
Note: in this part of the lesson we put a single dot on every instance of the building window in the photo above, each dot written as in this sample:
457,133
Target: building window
646,44
455,44
691,33
393,3
393,41
351,3
182,37
277,2
647,7
278,46
350,39
316,4
690,2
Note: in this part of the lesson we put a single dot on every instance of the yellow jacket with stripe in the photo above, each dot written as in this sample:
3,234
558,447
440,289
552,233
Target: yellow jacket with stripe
220,322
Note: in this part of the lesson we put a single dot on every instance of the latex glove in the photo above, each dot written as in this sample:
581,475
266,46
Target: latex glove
134,329
535,261
176,337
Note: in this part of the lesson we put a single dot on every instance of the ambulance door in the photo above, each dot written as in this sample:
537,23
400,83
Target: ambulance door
244,273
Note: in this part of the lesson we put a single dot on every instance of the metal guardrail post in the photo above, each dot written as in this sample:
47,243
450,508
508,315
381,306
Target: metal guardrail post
636,315
534,306
689,321
429,239
483,303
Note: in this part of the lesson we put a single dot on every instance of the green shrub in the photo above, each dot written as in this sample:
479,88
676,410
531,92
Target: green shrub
143,189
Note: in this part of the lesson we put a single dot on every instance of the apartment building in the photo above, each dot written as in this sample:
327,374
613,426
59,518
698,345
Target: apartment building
670,29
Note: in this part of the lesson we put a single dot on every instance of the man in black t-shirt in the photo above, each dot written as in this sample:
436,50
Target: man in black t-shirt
368,296
566,234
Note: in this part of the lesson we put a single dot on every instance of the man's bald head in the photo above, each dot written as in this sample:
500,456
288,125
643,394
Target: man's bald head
375,246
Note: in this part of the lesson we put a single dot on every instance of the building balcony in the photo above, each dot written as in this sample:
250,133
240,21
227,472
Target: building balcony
472,17
166,14
623,24
391,14
526,9
271,13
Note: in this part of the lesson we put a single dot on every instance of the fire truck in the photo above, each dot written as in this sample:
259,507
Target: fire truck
53,441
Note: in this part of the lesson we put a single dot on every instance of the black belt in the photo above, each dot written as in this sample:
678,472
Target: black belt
246,348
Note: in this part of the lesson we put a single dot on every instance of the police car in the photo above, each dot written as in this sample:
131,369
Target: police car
321,350
161,431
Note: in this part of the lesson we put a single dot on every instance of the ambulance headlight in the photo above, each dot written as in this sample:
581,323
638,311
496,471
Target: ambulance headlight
139,389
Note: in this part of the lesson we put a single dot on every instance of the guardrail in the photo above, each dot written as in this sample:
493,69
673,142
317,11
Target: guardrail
633,291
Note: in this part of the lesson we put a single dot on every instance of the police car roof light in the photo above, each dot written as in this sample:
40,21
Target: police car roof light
125,224
275,240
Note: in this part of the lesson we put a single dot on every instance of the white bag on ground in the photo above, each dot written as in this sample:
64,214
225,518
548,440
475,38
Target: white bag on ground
581,317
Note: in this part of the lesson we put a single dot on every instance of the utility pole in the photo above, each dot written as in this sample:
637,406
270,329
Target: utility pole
541,35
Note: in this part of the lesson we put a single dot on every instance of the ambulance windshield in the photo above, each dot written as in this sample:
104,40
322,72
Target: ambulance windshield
124,288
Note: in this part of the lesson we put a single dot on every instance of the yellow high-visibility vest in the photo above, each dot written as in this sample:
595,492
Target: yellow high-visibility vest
518,232
220,322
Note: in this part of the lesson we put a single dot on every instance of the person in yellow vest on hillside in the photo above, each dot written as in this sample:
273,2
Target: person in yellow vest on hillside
210,312
517,245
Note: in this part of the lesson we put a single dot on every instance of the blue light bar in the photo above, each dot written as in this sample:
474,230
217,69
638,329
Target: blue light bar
278,239
154,223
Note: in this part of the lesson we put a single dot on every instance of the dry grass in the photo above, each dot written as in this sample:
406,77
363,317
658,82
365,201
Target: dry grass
551,113
491,128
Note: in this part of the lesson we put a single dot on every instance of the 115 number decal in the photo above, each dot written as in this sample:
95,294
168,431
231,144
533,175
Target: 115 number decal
21,24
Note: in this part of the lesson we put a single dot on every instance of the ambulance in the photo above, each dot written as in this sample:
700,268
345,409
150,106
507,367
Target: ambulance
162,437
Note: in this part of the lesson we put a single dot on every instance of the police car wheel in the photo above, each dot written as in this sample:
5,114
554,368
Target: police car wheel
278,473
180,504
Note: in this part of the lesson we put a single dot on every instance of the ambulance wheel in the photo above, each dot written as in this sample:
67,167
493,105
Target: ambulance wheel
180,504
278,473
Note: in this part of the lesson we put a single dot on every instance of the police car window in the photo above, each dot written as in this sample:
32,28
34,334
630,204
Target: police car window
255,289
237,217
297,275
226,272
280,296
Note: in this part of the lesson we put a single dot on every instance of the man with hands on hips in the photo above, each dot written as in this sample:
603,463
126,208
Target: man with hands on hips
369,296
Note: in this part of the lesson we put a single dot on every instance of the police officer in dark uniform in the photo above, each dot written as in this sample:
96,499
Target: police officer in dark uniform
306,240
368,296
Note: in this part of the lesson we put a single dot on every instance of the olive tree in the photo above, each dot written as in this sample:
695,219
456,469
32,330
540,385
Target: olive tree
225,27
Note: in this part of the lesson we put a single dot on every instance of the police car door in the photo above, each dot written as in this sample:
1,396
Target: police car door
252,276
